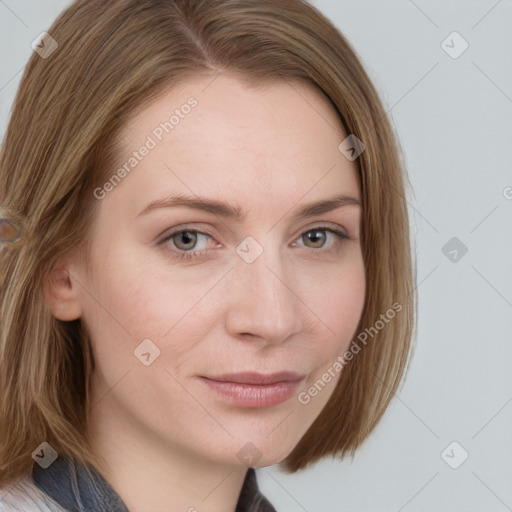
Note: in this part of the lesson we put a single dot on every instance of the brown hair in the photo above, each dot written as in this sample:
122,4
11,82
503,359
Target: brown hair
112,58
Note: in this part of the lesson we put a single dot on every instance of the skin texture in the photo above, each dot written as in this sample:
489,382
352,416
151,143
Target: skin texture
168,441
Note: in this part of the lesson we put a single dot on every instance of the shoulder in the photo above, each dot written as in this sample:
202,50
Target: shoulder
24,496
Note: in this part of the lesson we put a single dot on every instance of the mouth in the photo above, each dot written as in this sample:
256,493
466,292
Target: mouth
252,389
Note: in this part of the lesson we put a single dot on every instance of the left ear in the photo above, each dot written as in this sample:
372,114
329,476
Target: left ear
61,294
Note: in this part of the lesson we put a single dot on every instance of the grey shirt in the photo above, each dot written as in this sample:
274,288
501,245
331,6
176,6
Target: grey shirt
79,488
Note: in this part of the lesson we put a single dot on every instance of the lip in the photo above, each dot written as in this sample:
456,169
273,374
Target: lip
252,389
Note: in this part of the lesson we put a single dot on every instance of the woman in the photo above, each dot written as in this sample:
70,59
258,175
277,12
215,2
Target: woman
214,272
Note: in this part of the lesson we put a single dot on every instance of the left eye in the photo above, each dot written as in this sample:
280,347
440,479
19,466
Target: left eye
317,237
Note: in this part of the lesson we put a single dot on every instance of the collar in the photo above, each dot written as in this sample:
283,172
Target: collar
80,488
77,487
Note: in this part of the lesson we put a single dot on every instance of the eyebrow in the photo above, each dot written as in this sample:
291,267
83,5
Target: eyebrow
235,212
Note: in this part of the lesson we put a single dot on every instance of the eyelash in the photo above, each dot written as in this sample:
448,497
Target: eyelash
189,255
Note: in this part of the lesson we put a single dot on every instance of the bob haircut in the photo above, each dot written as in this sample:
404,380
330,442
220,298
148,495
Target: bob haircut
113,58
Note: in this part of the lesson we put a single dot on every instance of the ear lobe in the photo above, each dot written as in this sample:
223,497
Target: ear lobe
61,295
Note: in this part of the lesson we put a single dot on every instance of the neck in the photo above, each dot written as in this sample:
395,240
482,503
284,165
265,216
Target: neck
149,474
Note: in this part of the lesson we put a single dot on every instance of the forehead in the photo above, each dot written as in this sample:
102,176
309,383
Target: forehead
221,136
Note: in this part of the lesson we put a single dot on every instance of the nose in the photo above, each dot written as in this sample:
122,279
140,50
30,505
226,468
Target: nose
262,303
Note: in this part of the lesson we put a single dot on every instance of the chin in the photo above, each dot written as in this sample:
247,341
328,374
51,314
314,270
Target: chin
261,452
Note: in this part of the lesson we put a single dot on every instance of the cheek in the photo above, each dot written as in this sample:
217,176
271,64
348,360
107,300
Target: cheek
134,295
161,307
344,311
338,302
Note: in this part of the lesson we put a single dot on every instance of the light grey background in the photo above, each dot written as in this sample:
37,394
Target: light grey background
454,119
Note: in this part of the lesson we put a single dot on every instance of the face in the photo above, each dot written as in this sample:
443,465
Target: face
197,306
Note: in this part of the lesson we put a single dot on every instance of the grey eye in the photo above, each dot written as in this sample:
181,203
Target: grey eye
185,240
317,237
